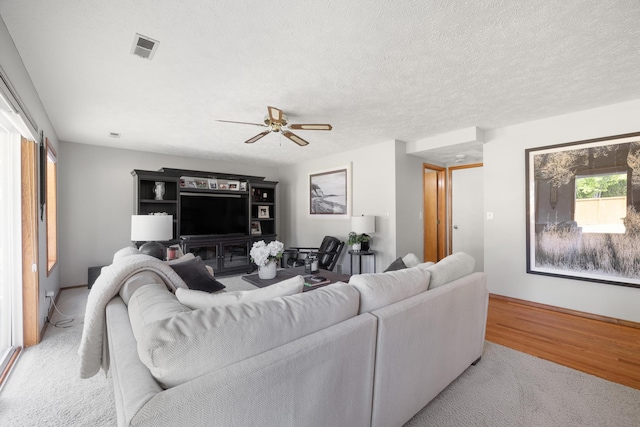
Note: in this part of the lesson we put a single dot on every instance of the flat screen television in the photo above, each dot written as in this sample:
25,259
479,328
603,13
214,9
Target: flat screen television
213,214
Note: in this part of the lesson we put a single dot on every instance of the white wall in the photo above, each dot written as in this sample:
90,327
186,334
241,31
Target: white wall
409,203
374,183
504,180
14,69
96,200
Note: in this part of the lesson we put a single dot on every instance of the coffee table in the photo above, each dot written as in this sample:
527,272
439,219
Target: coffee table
288,273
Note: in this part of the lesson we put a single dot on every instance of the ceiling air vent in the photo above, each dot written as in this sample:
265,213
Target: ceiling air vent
144,47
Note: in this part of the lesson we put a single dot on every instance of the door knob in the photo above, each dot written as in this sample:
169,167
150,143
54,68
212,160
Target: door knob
455,227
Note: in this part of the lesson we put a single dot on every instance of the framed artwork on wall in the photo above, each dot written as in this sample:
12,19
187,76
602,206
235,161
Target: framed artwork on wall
583,210
330,193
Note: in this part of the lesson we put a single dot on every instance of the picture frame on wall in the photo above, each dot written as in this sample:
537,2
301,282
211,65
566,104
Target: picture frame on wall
583,210
263,212
330,193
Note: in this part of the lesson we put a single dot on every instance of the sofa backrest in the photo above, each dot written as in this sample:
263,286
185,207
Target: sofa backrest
187,345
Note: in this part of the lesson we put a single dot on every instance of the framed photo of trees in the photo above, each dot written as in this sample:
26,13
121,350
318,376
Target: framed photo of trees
583,210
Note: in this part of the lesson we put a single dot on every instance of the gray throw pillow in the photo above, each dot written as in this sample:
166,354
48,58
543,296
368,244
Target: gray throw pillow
398,264
195,275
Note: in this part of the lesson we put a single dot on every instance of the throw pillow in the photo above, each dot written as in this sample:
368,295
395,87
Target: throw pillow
411,260
398,264
198,299
424,265
451,268
195,275
381,289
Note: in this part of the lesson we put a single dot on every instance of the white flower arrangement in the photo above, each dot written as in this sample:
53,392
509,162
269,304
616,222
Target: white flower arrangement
261,253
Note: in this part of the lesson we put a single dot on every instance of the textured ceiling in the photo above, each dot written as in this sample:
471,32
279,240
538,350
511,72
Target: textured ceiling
377,71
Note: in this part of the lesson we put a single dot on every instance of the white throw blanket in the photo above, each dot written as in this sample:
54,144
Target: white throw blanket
93,346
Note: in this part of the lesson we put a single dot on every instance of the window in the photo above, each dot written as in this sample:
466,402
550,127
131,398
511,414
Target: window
52,207
601,202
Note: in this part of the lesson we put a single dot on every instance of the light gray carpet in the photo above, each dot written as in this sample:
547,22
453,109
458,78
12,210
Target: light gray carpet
507,388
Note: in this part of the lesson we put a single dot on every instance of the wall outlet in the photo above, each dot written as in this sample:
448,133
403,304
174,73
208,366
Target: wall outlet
49,294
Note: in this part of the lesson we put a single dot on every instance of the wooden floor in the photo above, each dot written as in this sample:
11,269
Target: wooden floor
602,346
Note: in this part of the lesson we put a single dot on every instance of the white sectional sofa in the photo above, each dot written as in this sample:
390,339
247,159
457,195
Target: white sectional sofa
369,353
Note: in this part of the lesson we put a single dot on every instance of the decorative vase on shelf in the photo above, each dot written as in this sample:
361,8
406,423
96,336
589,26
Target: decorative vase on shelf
158,190
267,271
356,246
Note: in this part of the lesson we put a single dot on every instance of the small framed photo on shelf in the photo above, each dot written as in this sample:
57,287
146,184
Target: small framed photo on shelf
256,229
223,185
243,186
234,185
187,182
202,183
263,211
213,184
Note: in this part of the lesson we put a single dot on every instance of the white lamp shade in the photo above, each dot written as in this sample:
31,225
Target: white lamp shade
151,228
364,224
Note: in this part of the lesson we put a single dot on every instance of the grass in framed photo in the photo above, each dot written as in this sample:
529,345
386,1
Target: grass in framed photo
263,211
583,210
202,183
329,192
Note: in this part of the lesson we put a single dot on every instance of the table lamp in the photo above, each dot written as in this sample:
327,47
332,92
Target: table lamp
364,224
152,229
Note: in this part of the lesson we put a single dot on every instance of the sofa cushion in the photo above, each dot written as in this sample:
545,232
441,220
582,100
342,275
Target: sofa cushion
451,268
151,303
410,260
196,276
381,289
198,299
184,346
136,281
397,264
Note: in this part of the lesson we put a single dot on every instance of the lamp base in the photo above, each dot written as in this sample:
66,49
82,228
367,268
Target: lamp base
153,249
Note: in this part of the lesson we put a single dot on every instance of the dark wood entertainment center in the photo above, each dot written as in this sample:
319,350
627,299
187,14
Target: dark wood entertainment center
217,216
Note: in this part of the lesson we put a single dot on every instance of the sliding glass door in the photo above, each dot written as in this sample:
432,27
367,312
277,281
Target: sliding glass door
10,238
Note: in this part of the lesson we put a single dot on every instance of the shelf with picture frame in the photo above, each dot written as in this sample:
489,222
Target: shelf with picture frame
263,208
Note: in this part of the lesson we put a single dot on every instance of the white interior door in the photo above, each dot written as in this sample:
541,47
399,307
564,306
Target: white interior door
467,218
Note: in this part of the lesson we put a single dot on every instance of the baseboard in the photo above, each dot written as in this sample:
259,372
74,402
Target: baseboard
603,346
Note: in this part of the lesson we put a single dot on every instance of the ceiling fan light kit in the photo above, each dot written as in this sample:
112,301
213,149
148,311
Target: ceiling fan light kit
276,121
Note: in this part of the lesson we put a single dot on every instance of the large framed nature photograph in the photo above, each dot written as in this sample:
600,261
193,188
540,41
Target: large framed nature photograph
329,193
583,210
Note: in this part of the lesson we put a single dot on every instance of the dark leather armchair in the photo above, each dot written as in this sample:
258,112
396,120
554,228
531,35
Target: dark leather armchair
328,254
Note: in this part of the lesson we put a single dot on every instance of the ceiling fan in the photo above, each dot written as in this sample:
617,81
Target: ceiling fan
276,121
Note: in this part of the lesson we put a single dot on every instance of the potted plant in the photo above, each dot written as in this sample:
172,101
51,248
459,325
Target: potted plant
356,241
266,256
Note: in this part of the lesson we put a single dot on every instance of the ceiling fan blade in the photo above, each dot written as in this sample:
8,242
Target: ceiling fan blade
275,115
311,127
295,138
257,137
243,123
